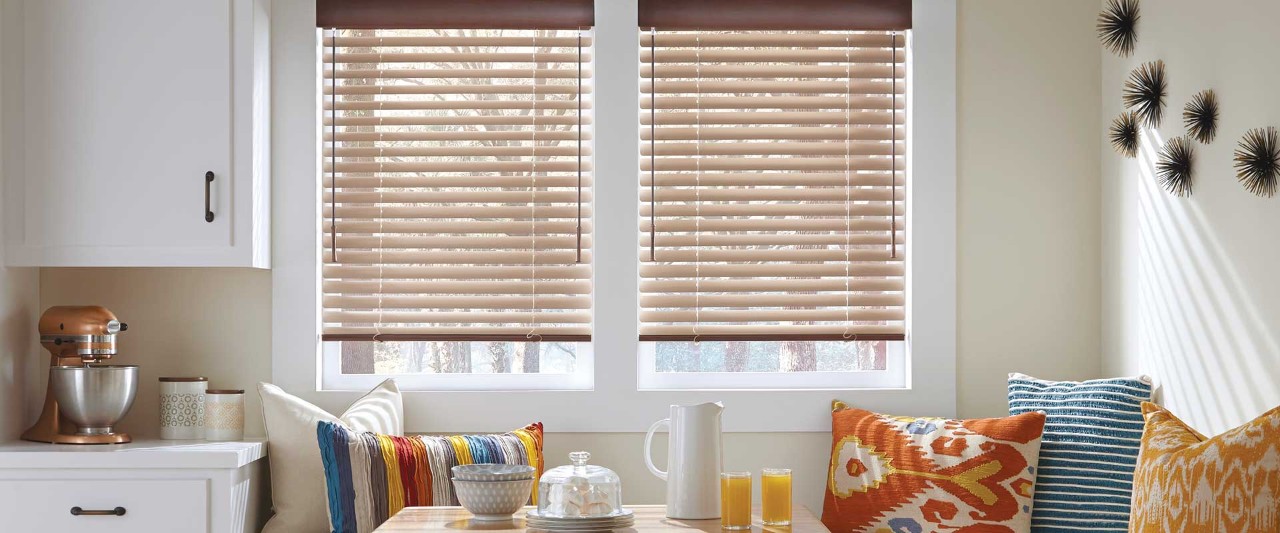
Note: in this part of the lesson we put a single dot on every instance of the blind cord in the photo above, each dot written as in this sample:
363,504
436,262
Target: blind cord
893,141
533,195
579,117
697,191
377,327
848,182
333,144
653,137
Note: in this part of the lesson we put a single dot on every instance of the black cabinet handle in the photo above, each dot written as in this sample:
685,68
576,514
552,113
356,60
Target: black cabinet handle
208,181
77,511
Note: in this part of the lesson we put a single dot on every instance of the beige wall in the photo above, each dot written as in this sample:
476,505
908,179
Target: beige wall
212,322
1028,246
1028,189
1191,292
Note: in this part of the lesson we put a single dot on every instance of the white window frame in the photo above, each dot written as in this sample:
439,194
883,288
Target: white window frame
615,402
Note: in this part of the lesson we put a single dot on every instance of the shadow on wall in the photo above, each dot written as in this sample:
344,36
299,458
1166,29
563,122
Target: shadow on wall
1199,331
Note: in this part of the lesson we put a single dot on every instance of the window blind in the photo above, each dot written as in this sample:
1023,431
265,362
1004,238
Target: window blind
457,184
773,174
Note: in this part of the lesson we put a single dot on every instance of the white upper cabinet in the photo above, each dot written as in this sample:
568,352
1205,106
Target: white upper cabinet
116,113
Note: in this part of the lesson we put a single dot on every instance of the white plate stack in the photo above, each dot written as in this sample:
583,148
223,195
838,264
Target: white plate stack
621,519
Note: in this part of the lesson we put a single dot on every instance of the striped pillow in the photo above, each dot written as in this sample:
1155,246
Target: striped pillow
369,477
1089,450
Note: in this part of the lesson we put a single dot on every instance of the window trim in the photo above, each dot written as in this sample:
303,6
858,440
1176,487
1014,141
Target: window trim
616,404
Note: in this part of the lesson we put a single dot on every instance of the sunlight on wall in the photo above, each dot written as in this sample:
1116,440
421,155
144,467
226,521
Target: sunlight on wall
1199,331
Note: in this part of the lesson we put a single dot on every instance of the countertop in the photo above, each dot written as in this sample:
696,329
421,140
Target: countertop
142,453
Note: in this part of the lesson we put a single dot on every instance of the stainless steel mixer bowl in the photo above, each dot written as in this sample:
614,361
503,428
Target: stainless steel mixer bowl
94,397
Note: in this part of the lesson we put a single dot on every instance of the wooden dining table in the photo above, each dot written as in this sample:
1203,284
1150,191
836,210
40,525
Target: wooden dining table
649,519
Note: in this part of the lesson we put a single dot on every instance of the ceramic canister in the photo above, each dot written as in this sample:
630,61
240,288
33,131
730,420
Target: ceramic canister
182,407
224,414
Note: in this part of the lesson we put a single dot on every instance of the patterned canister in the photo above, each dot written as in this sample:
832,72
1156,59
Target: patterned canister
224,414
182,407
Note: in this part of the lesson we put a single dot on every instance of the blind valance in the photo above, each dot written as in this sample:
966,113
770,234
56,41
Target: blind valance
457,185
772,185
867,15
455,14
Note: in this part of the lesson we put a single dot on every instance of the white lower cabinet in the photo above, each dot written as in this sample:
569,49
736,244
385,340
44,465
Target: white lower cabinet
142,487
107,505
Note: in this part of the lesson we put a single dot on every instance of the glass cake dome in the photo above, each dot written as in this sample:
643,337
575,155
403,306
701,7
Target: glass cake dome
579,490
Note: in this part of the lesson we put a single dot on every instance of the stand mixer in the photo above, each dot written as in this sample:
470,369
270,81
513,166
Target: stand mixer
85,398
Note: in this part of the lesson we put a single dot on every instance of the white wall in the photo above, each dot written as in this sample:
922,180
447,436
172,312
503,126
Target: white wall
1021,307
1192,295
19,349
1028,202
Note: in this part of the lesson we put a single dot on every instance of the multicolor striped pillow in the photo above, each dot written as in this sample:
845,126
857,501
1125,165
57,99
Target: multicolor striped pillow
1089,450
369,477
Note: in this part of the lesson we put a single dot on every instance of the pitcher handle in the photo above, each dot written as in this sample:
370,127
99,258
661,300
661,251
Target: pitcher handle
648,448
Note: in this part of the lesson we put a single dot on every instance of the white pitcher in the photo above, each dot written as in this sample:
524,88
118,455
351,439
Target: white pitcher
693,460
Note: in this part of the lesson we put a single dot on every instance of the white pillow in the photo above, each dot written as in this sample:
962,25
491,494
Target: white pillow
297,475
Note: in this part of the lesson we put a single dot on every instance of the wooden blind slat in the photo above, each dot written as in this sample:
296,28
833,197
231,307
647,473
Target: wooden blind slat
456,206
773,185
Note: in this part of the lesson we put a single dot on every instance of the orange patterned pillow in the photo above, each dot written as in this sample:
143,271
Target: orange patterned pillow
1190,483
904,474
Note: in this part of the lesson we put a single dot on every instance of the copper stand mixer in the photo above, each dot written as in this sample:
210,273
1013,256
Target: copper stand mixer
85,398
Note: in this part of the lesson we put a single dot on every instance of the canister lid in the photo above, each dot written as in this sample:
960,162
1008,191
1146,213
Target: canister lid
183,379
224,391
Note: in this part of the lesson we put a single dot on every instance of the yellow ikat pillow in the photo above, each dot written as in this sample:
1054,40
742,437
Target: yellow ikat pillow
1190,483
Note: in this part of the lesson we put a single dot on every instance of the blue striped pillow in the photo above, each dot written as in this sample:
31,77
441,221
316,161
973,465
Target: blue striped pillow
1089,450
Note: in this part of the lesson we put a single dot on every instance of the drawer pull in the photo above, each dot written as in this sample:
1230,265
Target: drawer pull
77,511
208,212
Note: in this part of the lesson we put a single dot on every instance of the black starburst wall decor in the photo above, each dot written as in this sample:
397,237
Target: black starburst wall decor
1117,26
1145,90
1174,166
1258,161
1200,116
1124,134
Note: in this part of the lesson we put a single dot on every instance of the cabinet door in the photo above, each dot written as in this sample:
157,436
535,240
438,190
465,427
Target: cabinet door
128,103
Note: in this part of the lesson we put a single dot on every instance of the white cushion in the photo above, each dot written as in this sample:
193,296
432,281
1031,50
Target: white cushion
297,475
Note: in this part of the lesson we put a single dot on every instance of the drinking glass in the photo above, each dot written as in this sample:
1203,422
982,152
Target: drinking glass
775,496
735,500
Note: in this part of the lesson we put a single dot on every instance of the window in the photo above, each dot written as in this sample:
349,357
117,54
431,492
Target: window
616,396
773,167
457,199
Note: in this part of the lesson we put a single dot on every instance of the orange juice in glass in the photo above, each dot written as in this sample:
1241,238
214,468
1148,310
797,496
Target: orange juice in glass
735,500
775,496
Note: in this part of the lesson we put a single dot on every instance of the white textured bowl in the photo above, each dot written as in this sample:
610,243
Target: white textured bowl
492,472
493,500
